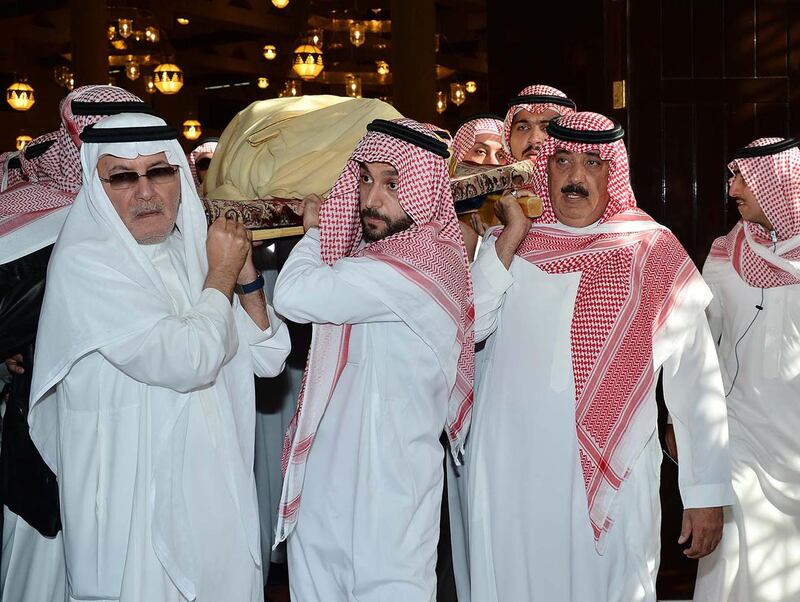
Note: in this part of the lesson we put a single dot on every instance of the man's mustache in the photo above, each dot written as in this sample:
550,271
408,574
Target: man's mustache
147,207
374,214
532,147
575,189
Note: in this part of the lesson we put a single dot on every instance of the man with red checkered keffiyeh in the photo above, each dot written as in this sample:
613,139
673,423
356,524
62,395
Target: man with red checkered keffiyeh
580,311
754,273
382,274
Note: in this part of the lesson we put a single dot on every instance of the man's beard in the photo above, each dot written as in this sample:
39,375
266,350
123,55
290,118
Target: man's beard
392,226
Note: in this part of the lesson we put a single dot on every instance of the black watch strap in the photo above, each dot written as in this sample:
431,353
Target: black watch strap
250,287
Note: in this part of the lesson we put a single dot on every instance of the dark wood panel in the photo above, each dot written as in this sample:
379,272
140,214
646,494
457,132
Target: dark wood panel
678,177
740,31
708,38
748,89
676,38
741,124
771,37
711,156
772,119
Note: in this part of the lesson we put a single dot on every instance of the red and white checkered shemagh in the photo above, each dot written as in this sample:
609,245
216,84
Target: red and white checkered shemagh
10,177
464,139
775,182
630,281
430,253
538,89
52,179
206,148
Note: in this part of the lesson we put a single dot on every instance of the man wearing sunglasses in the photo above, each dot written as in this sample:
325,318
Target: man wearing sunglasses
142,396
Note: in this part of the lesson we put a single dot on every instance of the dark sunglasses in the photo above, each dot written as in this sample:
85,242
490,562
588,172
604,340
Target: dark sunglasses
202,164
129,179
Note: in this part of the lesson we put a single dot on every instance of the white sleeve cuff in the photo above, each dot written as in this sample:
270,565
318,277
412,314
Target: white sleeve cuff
489,272
712,495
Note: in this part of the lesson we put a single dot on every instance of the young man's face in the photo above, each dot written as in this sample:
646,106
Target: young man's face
148,206
746,201
381,213
485,150
578,187
528,131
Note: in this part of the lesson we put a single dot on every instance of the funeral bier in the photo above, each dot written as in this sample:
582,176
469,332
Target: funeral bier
474,188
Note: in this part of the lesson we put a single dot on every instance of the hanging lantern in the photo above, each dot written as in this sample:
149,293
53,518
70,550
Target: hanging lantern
441,102
182,20
138,35
152,34
70,85
280,3
352,85
358,33
111,32
125,27
192,129
132,70
308,62
290,88
458,94
22,140
383,68
168,78
471,87
120,44
20,95
62,74
150,85
263,83
270,52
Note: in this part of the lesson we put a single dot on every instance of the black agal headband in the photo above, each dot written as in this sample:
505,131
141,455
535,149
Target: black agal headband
91,134
560,132
768,149
406,134
542,99
80,107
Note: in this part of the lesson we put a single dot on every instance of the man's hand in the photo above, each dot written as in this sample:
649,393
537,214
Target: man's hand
310,211
516,227
508,210
704,526
14,364
227,248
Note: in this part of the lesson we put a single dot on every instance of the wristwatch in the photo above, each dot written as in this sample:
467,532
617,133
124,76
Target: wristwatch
250,287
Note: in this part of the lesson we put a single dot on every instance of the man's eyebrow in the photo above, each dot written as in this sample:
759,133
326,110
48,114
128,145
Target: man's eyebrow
122,167
389,172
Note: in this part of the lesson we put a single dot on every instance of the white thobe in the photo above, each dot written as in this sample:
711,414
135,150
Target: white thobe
530,538
32,565
107,432
758,559
276,402
368,523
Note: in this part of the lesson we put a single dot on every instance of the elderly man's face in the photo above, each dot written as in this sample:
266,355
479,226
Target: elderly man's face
528,131
485,150
148,206
746,201
381,212
578,187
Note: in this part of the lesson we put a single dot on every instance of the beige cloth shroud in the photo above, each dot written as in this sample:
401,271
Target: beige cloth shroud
290,147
